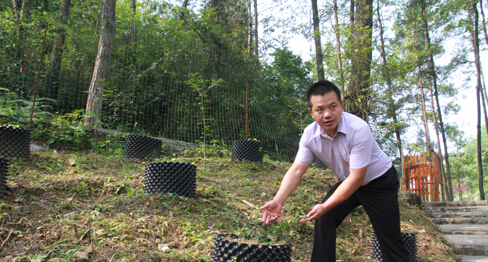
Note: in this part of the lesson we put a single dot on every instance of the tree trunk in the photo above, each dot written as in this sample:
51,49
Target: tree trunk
249,31
483,22
475,42
133,33
338,48
184,7
482,91
25,12
318,45
359,85
256,43
102,63
53,81
439,111
428,144
439,151
215,4
16,4
460,191
391,103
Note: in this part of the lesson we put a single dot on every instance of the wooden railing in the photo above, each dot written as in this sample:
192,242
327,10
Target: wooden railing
421,176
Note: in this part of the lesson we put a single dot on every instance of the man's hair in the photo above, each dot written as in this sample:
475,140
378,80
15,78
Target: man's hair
321,88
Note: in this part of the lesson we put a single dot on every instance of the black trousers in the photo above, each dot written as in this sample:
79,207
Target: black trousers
380,200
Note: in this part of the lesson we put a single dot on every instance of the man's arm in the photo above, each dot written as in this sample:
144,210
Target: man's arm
343,192
290,182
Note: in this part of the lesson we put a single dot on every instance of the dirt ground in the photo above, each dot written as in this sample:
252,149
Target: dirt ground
87,206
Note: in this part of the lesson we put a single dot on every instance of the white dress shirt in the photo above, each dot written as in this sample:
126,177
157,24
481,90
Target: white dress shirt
353,146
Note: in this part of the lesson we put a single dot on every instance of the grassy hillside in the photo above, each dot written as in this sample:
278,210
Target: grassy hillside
62,203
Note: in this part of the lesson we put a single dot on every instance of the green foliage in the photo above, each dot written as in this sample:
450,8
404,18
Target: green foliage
64,131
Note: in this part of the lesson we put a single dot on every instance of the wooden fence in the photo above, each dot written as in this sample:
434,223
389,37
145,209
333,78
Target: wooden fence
421,176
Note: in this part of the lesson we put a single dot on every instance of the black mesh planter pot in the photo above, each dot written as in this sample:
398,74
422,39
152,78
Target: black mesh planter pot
14,142
170,177
3,176
409,239
137,146
227,250
319,164
247,150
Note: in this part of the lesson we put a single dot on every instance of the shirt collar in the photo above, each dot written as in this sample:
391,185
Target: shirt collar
340,128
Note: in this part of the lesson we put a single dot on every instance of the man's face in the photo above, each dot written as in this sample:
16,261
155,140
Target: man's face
326,111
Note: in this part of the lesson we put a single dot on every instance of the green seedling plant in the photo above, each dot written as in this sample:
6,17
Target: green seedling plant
202,86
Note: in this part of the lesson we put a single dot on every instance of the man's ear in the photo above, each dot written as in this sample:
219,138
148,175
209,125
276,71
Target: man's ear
310,110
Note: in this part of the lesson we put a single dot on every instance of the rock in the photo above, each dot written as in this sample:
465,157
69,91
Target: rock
89,249
163,248
81,256
70,216
410,198
72,161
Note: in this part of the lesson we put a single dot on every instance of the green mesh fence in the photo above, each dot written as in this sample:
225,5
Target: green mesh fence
154,61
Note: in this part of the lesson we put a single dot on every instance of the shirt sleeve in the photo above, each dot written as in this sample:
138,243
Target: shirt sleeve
362,148
304,154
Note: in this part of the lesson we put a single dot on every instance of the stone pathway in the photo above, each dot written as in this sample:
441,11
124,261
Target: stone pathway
465,225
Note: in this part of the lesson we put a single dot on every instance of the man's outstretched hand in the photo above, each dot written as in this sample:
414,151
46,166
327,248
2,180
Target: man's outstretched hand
271,211
317,211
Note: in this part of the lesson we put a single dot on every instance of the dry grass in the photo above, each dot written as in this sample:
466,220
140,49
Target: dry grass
56,208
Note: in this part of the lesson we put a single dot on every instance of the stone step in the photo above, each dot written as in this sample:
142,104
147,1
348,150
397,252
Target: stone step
460,220
465,229
471,245
458,214
474,258
454,209
456,203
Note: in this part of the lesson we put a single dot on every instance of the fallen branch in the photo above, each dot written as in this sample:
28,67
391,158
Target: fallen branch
249,204
7,237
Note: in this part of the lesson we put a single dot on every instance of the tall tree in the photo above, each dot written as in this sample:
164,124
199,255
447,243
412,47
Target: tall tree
338,48
133,7
361,53
256,42
392,109
483,22
433,75
184,9
249,28
318,45
53,81
473,11
102,63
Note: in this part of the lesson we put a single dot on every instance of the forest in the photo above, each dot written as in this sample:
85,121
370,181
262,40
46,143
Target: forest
210,72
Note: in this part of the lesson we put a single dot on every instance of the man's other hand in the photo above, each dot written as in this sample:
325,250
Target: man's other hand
317,211
271,211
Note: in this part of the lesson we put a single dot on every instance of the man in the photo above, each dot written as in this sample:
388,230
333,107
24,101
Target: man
367,177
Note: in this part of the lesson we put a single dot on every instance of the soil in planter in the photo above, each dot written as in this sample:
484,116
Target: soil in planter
255,242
